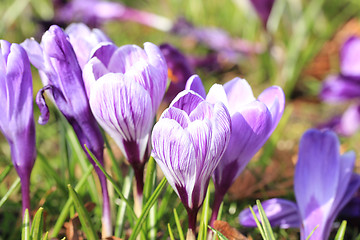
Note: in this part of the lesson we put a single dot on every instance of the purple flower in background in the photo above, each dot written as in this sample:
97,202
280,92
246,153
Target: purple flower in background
188,142
253,120
96,12
125,87
263,9
83,40
62,77
324,183
179,70
17,120
346,86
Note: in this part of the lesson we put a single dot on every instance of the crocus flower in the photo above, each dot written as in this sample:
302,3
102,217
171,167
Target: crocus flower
62,76
83,40
263,9
346,86
253,120
125,87
17,120
179,70
324,183
188,142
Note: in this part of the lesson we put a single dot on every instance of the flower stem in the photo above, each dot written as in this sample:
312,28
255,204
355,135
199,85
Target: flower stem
219,197
138,189
25,192
192,214
106,211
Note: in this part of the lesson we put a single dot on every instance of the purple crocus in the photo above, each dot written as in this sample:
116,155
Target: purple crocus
346,86
17,120
188,142
125,87
62,76
263,9
253,120
83,40
324,183
179,70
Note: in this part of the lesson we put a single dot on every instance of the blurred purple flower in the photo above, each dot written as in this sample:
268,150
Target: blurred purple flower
125,87
83,40
188,142
17,120
324,183
96,12
62,77
346,86
179,70
253,120
263,9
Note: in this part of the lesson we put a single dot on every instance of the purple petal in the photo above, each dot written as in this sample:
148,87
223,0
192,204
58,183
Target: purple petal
35,53
274,99
338,88
350,58
186,101
239,93
194,83
250,130
83,40
280,212
44,110
350,121
317,176
92,71
157,59
123,108
217,94
178,115
175,154
263,9
104,52
124,57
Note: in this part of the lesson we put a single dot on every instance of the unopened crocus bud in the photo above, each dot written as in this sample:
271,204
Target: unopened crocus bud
16,118
188,142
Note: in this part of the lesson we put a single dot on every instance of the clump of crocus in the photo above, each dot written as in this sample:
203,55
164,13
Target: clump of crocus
253,120
324,182
188,142
345,86
83,40
125,87
62,76
16,118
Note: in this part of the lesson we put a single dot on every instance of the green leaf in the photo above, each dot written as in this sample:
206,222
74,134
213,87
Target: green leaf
25,235
170,232
150,172
65,210
146,209
204,216
312,232
258,223
116,187
220,235
12,189
83,215
37,225
5,172
178,225
341,232
265,222
45,236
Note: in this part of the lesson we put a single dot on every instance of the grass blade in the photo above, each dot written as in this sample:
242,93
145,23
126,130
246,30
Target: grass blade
312,232
116,187
265,222
341,232
25,234
12,189
65,211
5,172
37,225
178,225
220,235
170,232
258,223
83,215
204,216
46,236
146,209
